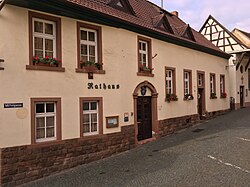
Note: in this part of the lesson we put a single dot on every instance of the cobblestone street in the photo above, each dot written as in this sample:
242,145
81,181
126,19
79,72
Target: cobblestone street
214,153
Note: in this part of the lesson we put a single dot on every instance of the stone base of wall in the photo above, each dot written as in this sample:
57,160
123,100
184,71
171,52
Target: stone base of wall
172,125
237,105
214,114
23,164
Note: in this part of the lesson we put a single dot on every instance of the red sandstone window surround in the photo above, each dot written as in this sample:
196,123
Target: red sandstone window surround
44,42
45,119
91,116
89,48
212,86
144,57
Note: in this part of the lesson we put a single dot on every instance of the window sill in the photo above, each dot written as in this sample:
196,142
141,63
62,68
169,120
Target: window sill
79,70
45,68
148,74
213,97
46,143
91,137
184,99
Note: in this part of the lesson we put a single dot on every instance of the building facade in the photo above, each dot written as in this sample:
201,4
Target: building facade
236,44
82,81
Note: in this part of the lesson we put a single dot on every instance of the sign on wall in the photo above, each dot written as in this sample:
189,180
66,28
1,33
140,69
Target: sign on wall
13,105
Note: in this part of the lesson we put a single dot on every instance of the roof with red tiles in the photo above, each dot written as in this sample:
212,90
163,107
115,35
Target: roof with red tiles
146,15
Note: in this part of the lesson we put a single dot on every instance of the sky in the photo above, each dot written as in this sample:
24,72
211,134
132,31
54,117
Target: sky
230,13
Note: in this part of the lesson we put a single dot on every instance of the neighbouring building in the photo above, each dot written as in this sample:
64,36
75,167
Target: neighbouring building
236,44
86,79
243,36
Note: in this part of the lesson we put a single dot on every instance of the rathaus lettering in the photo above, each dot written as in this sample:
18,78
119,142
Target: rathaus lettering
103,86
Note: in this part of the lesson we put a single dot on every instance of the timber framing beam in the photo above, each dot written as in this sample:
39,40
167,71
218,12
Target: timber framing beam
240,60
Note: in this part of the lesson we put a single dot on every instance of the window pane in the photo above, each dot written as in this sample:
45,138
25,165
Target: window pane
140,57
40,133
84,58
144,58
92,50
38,43
93,118
93,105
38,26
38,53
49,54
92,59
93,127
48,45
140,45
50,132
86,128
48,28
85,105
143,46
84,49
40,108
83,35
91,36
40,122
85,118
50,107
50,121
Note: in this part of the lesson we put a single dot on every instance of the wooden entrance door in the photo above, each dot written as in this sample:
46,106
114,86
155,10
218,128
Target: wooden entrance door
200,101
144,118
241,96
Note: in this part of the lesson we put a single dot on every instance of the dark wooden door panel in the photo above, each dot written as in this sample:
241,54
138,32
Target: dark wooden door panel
144,118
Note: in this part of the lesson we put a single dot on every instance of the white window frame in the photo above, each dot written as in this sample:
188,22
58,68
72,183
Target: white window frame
89,112
88,43
169,79
222,84
200,80
186,80
212,88
45,115
143,52
44,36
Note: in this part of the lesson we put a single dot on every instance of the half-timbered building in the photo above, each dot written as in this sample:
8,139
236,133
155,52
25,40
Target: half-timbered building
85,79
236,44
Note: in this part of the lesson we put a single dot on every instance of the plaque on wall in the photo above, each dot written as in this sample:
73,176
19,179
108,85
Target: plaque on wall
112,121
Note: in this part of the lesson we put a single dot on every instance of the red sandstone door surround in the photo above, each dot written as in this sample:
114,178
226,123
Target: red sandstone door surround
153,113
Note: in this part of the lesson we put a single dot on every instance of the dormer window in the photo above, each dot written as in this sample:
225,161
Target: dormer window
161,22
122,5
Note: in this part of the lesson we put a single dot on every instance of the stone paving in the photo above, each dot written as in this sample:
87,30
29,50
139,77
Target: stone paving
214,153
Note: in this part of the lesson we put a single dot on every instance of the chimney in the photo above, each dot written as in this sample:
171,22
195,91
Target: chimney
175,13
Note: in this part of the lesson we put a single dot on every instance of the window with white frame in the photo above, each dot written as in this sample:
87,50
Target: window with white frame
212,83
169,82
45,121
222,84
88,45
44,38
143,53
249,79
187,82
90,118
200,79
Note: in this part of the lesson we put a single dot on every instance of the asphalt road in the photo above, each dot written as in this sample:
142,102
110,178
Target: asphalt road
216,154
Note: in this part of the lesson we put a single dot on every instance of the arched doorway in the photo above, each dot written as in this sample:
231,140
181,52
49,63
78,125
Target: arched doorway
145,111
